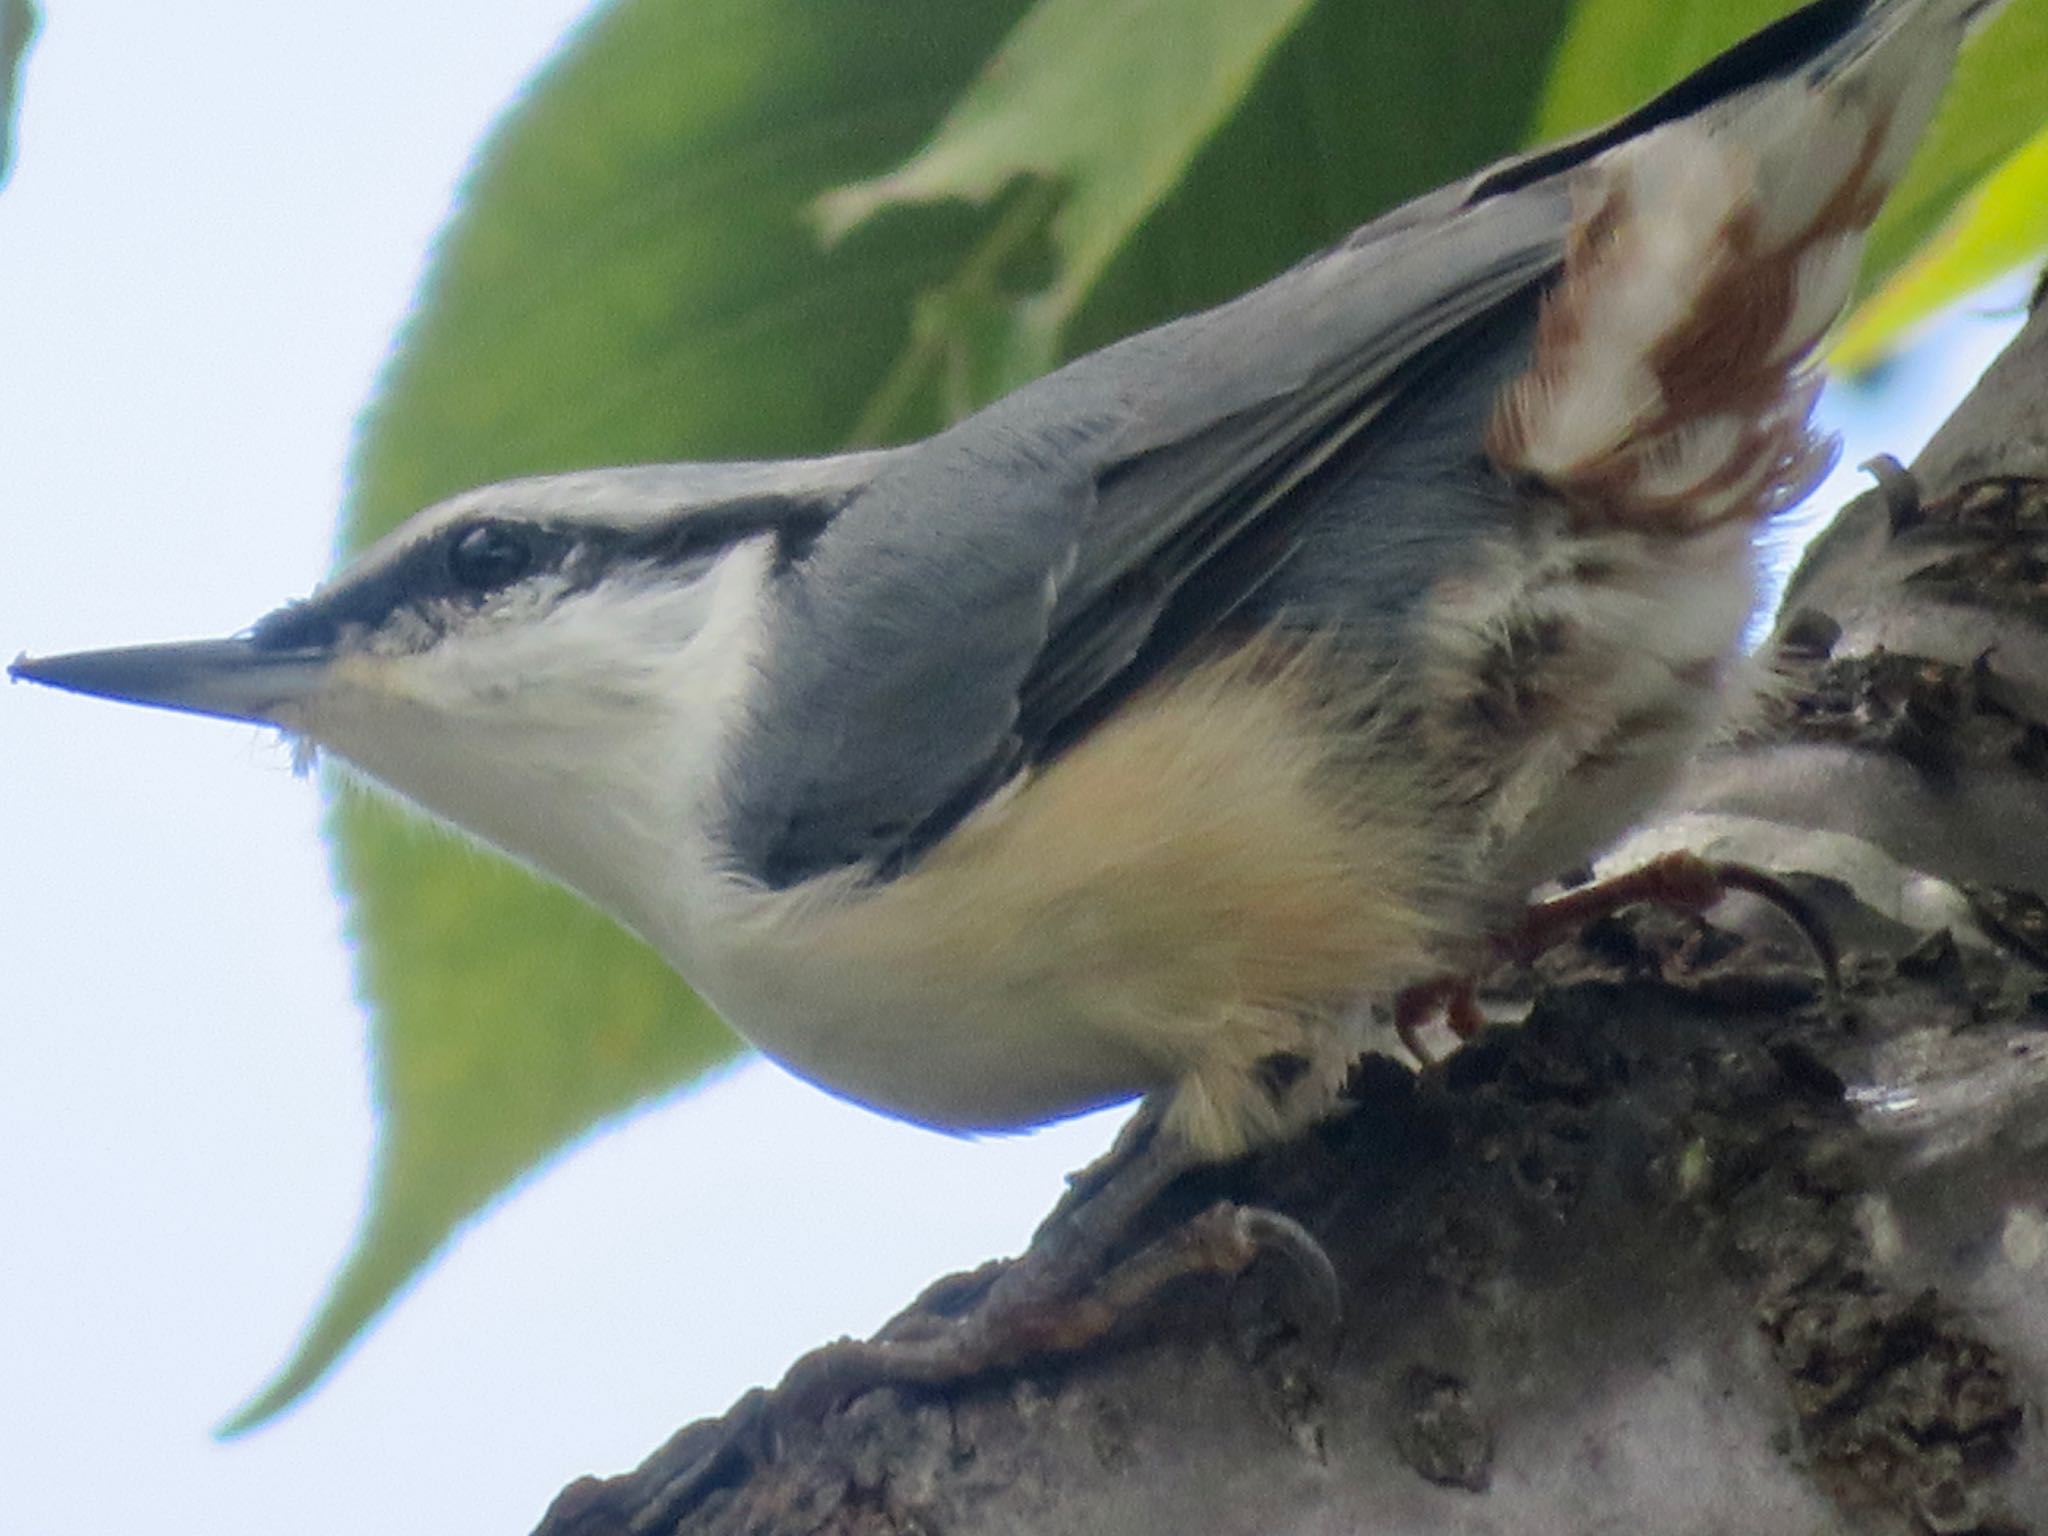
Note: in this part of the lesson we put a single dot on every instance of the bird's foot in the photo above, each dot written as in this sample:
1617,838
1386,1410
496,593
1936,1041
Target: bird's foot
1680,880
1454,999
1064,1293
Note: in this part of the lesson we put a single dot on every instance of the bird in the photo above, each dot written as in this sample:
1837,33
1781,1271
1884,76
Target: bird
1147,731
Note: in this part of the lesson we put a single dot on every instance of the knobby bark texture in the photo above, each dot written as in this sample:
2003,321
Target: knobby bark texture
1692,1248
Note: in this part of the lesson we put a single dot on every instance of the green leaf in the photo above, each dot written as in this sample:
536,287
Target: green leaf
1202,194
509,1019
1983,170
18,23
1109,99
1617,54
1996,103
636,274
2001,226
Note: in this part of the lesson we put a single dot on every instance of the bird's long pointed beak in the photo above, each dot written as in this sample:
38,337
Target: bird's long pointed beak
231,679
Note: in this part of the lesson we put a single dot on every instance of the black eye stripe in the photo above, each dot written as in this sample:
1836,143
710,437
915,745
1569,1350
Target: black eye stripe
467,562
796,526
463,563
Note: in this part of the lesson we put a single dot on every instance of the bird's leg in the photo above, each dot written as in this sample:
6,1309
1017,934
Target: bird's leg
1062,1294
1678,879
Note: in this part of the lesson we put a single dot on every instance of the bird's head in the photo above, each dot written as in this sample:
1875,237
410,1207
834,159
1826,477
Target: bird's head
549,664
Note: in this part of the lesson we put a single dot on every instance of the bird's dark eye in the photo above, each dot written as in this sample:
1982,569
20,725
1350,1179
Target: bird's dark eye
489,556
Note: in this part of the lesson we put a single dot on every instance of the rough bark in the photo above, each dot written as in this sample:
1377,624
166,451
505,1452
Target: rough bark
1694,1249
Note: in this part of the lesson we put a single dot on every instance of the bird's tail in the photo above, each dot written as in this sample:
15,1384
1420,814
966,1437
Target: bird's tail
1670,386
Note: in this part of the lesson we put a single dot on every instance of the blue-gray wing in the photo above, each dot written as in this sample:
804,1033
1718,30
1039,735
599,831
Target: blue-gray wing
997,587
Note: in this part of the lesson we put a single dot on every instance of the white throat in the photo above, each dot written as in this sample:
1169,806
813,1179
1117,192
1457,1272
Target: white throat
585,742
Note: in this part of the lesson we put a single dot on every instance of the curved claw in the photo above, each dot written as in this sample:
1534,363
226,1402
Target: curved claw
1741,877
1314,1295
1899,488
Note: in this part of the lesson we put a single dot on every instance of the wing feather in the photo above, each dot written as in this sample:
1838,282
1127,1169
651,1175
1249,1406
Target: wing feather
995,588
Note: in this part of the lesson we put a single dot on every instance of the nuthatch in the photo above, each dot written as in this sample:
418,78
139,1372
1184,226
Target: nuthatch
1139,731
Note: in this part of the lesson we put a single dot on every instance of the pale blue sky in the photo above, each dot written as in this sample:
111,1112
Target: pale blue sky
217,217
